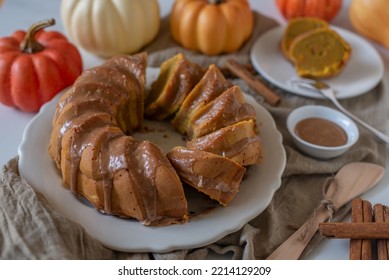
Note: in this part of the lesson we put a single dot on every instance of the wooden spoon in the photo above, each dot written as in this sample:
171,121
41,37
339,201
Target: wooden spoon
351,181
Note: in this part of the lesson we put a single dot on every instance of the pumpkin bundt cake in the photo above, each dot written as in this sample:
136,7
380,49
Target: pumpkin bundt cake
296,27
214,175
177,78
228,108
92,146
238,142
316,50
211,85
320,53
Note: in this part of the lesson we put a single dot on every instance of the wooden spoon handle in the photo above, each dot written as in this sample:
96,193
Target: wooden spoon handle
292,248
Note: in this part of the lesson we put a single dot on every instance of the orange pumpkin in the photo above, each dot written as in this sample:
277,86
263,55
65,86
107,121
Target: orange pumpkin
211,26
323,9
35,66
371,18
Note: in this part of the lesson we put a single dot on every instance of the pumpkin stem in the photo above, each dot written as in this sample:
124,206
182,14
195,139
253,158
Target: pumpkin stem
29,43
215,2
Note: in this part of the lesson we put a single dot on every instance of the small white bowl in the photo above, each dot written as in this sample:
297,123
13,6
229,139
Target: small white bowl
327,113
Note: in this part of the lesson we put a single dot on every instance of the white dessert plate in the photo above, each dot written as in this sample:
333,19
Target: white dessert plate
37,168
363,71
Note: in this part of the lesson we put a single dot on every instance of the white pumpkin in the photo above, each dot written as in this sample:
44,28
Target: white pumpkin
110,27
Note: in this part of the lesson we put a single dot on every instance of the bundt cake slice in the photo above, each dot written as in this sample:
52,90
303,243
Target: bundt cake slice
297,27
69,113
126,90
91,92
131,84
211,85
84,135
228,108
135,85
177,78
133,179
116,173
320,53
217,177
238,142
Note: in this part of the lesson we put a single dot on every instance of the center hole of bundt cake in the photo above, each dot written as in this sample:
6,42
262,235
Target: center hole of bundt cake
162,134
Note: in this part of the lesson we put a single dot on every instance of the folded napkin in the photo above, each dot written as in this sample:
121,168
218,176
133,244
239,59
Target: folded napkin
31,229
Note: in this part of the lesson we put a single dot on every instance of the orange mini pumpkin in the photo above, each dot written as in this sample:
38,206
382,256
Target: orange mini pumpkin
35,66
323,9
211,26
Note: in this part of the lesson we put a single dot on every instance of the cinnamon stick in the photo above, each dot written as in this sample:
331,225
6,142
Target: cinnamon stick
367,218
386,220
229,75
363,228
361,211
356,217
371,230
382,250
270,96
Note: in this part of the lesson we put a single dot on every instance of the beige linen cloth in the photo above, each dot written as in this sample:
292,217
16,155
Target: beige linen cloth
31,229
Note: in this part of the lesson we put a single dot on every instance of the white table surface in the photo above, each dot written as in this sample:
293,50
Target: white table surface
19,14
